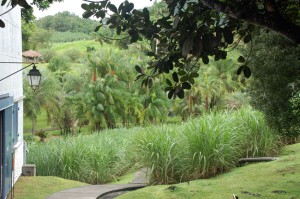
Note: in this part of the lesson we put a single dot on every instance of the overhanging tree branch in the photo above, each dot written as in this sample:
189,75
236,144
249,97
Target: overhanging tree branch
270,19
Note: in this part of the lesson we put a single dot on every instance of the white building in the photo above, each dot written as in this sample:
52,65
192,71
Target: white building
11,101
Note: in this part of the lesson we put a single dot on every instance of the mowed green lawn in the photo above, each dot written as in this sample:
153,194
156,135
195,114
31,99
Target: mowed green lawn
40,124
40,187
279,179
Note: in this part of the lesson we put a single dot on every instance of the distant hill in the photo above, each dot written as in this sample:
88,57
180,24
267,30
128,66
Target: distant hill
67,22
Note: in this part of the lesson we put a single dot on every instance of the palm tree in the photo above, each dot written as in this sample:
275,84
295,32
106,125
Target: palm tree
44,97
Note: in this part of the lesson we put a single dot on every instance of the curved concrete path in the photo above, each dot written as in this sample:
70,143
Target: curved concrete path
94,191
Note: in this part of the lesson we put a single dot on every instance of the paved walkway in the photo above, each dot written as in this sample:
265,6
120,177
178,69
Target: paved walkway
94,191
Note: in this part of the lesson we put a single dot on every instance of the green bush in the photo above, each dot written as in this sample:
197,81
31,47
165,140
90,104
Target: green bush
48,54
59,63
74,54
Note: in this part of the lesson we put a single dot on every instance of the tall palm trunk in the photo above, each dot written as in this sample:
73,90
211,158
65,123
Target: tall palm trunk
33,126
206,103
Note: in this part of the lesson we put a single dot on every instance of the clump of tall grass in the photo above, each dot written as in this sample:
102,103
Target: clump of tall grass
199,148
204,146
158,151
94,159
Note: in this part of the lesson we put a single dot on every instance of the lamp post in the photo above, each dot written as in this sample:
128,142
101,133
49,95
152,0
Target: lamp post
34,75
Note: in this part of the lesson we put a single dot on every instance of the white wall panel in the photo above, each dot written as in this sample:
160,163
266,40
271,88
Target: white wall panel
11,51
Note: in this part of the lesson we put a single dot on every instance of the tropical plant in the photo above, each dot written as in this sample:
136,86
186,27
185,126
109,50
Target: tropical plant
44,97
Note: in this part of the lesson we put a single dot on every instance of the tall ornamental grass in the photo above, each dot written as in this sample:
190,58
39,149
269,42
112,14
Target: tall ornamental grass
173,153
94,159
204,146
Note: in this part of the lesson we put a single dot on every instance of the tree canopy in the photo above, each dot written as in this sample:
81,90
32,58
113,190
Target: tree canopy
66,21
191,31
195,30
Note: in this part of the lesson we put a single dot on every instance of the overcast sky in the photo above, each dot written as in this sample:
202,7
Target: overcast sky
74,6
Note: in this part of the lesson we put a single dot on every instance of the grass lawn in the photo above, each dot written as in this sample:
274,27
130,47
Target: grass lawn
279,179
61,48
41,187
40,124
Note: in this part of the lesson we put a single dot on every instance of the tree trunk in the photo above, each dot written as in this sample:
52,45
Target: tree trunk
33,126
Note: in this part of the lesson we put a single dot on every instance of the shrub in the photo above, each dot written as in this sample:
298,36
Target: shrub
59,63
48,54
42,135
73,54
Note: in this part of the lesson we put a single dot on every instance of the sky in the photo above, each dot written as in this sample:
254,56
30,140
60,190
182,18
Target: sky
74,6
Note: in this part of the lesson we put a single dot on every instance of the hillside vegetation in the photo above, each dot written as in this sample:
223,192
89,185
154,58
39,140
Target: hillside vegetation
279,179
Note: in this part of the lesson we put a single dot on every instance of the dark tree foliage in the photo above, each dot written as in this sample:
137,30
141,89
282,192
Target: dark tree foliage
275,88
195,30
27,11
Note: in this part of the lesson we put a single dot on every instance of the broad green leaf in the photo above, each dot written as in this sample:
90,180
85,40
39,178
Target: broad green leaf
138,69
112,8
87,14
150,83
169,82
247,71
100,14
180,93
3,2
247,38
186,86
241,68
2,24
97,28
187,46
228,36
24,4
194,74
241,59
171,93
85,6
205,59
175,77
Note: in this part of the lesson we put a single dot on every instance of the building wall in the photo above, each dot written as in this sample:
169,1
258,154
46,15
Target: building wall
11,51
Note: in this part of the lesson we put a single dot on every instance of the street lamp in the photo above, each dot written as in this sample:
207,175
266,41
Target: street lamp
34,77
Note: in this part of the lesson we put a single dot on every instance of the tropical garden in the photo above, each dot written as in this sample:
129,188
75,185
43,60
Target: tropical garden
112,102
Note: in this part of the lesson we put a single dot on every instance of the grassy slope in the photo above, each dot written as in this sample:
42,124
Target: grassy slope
278,179
60,48
41,187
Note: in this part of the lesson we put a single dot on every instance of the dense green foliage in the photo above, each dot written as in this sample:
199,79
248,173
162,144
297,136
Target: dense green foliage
66,22
200,148
275,88
193,31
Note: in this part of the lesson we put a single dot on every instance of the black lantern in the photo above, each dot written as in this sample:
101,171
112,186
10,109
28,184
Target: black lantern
34,77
